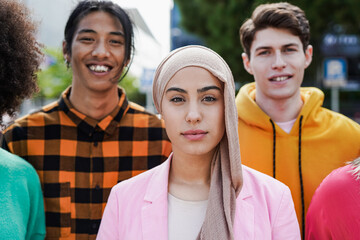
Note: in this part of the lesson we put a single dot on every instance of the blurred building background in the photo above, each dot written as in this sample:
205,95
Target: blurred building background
161,26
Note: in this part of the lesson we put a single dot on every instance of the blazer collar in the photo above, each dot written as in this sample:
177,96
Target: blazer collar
245,212
154,212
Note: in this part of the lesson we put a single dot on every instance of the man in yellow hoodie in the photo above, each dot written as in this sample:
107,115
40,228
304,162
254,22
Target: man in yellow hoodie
284,131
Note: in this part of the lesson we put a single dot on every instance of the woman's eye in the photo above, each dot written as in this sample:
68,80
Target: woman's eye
177,99
209,99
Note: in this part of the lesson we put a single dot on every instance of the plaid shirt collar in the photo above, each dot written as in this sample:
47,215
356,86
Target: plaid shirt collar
87,124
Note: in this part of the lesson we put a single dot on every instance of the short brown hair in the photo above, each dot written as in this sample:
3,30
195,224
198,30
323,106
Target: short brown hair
281,15
20,55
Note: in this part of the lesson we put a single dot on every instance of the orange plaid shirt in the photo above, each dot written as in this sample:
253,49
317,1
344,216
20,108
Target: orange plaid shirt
80,159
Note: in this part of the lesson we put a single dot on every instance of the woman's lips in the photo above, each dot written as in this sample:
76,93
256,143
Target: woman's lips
194,135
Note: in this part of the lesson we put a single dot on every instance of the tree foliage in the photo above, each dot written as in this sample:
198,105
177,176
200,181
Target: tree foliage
54,77
217,22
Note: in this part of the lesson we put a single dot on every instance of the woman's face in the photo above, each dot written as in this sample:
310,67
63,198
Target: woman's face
193,111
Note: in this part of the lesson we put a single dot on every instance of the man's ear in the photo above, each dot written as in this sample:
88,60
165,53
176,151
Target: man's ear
65,52
246,62
127,62
308,55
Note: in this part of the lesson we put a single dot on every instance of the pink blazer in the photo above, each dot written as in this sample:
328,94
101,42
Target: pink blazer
138,209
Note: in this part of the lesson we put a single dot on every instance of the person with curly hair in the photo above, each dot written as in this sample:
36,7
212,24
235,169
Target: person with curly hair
21,203
20,56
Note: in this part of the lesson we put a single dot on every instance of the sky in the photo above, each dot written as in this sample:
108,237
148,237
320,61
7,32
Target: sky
156,14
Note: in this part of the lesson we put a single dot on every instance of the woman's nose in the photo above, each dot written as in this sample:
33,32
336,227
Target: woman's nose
193,115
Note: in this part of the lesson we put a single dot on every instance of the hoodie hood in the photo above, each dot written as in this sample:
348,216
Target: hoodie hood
252,114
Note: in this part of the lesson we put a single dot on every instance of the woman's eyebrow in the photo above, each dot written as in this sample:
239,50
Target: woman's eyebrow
176,89
201,90
204,89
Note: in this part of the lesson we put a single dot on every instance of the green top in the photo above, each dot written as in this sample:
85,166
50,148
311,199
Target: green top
21,201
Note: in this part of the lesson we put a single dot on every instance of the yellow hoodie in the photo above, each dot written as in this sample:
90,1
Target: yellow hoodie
327,141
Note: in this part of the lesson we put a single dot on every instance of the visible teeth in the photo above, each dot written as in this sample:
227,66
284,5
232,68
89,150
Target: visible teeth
279,79
99,68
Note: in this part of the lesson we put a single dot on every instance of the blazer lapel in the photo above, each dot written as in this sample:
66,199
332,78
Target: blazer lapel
154,214
244,216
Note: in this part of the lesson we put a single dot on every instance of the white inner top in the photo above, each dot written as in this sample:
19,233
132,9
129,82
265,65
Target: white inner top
185,218
286,126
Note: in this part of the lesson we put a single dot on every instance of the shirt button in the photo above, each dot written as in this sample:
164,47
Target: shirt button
95,144
97,187
94,225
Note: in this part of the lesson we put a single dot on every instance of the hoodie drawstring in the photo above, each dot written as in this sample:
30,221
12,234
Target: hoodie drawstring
301,181
274,149
300,170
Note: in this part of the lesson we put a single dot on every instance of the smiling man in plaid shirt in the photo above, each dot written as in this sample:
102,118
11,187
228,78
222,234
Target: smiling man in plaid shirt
93,137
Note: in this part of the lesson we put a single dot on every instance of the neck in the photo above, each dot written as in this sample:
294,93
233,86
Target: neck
95,105
189,177
281,110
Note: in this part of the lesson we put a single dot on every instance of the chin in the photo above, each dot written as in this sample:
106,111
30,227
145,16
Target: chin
201,151
282,95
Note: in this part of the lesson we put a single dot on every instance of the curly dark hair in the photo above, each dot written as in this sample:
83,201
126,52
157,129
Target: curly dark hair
20,56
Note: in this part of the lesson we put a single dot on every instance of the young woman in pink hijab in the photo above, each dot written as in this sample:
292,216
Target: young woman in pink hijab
201,191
